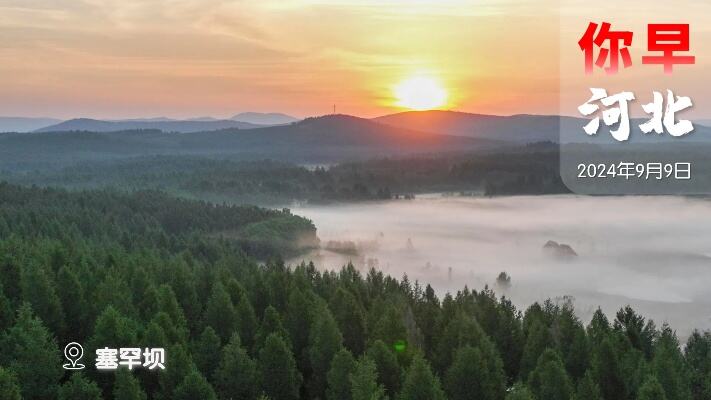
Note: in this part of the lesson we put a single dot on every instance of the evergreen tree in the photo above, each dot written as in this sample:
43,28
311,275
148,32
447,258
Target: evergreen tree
640,335
73,299
113,330
697,354
549,380
349,315
669,368
246,321
168,303
472,376
126,387
206,351
236,377
115,292
220,314
388,370
588,389
154,336
570,340
599,327
651,390
194,386
325,342
9,387
338,378
31,354
39,290
389,327
79,388
298,322
6,317
520,392
420,383
271,323
183,285
537,341
364,383
461,331
509,338
608,372
280,379
178,367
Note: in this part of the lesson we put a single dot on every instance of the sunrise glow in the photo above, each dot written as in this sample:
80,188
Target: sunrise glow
420,93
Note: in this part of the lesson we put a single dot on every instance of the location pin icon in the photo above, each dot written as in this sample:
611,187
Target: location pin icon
73,352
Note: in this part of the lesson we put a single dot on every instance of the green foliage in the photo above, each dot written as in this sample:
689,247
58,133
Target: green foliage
79,388
388,370
325,341
363,381
350,318
520,392
114,330
420,383
549,380
338,378
651,390
236,377
38,290
194,386
640,334
177,368
127,387
279,377
31,354
537,341
271,323
472,375
9,387
669,368
588,389
608,371
149,270
6,317
246,321
220,314
697,354
207,351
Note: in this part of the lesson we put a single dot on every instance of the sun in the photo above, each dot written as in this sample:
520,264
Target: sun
420,93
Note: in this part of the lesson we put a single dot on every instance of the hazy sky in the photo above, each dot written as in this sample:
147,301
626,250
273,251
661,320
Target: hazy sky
180,58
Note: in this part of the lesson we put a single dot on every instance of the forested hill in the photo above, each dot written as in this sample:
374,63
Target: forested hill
115,270
314,140
148,219
518,171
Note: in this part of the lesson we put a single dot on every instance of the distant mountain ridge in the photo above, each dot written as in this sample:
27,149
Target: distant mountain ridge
180,126
25,124
265,118
332,138
520,128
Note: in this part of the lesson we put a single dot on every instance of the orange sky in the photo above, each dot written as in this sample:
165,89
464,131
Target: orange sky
184,58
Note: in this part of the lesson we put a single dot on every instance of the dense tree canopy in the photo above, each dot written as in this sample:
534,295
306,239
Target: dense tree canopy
149,270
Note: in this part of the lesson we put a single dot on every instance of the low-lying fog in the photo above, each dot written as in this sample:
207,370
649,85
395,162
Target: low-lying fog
651,252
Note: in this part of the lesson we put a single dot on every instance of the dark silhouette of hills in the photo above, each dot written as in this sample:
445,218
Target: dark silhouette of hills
525,128
515,128
332,138
264,118
165,125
